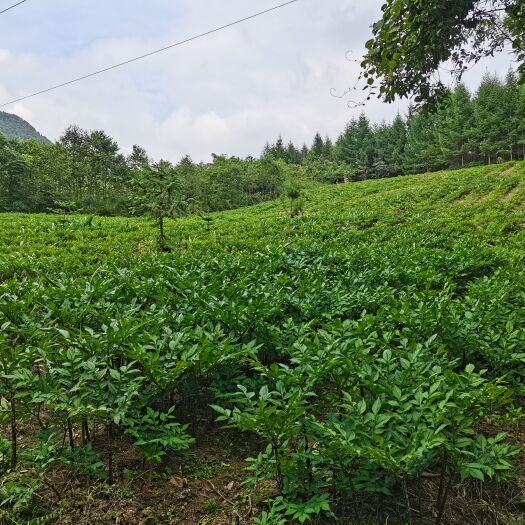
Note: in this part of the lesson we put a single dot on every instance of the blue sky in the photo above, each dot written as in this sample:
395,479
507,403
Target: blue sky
227,93
62,28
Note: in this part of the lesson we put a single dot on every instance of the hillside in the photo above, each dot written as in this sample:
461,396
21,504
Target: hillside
14,126
450,205
365,354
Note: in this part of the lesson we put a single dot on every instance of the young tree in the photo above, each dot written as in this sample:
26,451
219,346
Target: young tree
157,193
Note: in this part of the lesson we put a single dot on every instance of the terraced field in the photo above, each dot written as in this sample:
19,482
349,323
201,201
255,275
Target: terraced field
368,355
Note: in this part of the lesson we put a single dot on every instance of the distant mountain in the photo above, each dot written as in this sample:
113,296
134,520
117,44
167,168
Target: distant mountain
13,126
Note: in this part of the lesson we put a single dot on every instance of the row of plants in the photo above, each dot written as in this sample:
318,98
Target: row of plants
364,346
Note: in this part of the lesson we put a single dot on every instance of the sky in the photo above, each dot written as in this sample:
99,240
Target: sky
227,93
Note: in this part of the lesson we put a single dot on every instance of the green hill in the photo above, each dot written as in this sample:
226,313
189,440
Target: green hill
366,354
482,205
13,126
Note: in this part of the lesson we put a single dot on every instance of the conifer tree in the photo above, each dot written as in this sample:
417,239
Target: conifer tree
317,150
304,152
293,155
457,127
328,150
513,117
490,118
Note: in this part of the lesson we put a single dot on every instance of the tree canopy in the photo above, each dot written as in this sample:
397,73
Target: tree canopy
414,40
85,171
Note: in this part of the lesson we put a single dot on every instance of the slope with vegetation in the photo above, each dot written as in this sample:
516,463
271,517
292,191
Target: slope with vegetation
15,127
86,171
365,349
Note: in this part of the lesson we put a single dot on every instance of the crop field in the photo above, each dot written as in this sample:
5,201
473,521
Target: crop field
359,363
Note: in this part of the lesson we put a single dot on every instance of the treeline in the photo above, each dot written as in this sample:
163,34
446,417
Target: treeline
86,171
483,128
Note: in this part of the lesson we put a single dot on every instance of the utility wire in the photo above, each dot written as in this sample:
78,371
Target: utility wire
151,53
12,7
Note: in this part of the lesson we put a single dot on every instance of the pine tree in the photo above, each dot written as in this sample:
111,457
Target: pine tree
328,150
422,151
267,150
304,152
389,147
345,148
513,118
456,128
278,150
293,155
490,118
317,149
398,141
365,146
520,143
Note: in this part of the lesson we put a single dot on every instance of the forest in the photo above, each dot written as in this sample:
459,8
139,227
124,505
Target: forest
86,171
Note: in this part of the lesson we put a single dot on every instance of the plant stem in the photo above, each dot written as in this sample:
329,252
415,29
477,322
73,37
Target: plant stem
86,435
278,466
14,432
443,502
110,454
407,501
70,434
308,460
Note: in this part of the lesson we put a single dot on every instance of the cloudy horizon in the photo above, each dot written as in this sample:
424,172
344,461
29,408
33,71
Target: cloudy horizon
227,93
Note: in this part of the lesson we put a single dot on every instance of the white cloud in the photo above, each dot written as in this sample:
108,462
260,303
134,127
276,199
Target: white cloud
4,55
227,93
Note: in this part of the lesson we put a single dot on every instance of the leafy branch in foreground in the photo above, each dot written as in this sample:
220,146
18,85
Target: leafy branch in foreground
414,39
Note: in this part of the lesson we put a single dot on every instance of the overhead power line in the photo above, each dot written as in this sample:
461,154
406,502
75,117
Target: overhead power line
12,7
151,53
